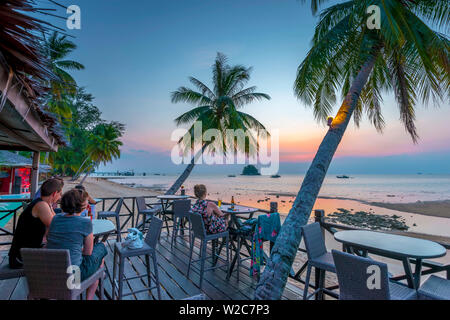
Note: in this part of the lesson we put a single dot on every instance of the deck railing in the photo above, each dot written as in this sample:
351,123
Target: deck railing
129,210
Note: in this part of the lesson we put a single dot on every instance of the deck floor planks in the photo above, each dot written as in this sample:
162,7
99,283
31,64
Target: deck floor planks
7,287
188,288
245,285
218,276
139,266
220,273
209,283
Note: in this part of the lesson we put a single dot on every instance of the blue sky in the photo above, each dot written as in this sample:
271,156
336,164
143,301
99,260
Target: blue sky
137,52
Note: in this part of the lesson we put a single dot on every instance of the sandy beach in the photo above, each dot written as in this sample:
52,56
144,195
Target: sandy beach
428,208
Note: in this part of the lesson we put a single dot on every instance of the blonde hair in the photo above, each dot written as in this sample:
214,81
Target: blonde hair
200,191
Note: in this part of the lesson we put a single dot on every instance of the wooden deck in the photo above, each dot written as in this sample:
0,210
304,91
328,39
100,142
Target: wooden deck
175,285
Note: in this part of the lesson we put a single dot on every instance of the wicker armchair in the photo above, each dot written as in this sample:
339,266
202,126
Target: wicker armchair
47,275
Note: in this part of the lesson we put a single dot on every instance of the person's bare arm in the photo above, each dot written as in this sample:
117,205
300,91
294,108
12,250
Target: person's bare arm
88,245
44,212
91,201
214,209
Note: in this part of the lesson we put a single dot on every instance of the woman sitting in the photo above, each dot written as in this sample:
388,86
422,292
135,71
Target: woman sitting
34,221
74,233
215,221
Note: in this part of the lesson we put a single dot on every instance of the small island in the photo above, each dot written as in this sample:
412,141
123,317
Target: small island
250,170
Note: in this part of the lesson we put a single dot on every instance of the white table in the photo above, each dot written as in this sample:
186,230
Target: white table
102,228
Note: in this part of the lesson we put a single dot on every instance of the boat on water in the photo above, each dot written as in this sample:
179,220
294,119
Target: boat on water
276,176
231,176
343,177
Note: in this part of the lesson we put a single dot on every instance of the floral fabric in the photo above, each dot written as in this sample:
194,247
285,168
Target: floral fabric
213,223
266,229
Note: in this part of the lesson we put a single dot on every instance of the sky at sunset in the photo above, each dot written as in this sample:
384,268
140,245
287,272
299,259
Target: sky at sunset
137,52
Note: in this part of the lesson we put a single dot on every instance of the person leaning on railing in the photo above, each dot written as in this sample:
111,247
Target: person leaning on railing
34,221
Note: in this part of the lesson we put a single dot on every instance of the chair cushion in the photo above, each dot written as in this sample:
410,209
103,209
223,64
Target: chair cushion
126,252
399,292
435,288
324,262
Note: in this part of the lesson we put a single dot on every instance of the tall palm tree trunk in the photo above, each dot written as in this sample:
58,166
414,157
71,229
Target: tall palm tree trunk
78,173
274,278
182,178
88,173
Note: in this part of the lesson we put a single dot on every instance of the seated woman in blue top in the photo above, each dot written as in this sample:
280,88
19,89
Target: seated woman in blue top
74,233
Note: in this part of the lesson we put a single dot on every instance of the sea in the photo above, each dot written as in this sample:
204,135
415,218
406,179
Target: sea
355,193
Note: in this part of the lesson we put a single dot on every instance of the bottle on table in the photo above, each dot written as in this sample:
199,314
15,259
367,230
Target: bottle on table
232,203
183,191
219,203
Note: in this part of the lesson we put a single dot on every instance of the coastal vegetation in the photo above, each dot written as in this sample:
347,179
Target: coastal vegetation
91,140
405,56
219,108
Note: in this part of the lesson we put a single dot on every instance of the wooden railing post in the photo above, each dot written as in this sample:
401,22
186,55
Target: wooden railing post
318,215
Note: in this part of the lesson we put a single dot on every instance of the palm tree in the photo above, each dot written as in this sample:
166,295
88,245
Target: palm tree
219,109
56,48
104,145
405,57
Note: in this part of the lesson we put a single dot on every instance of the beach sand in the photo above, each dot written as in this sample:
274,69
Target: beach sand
103,188
428,208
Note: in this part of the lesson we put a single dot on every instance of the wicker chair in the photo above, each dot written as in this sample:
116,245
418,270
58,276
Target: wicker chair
318,257
181,210
114,214
199,232
353,274
435,288
46,271
145,212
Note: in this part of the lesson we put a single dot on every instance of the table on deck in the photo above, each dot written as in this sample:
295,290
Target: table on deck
234,222
392,246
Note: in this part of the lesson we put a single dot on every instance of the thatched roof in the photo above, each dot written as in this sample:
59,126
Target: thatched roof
21,60
14,160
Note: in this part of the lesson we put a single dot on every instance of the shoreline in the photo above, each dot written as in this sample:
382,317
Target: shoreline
437,208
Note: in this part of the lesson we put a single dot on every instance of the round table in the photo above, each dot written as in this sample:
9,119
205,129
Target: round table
102,228
395,247
237,209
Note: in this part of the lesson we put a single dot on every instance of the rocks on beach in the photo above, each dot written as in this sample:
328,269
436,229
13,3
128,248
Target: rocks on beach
362,219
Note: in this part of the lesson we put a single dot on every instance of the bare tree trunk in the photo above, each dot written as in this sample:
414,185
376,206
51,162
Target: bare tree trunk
274,278
182,178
